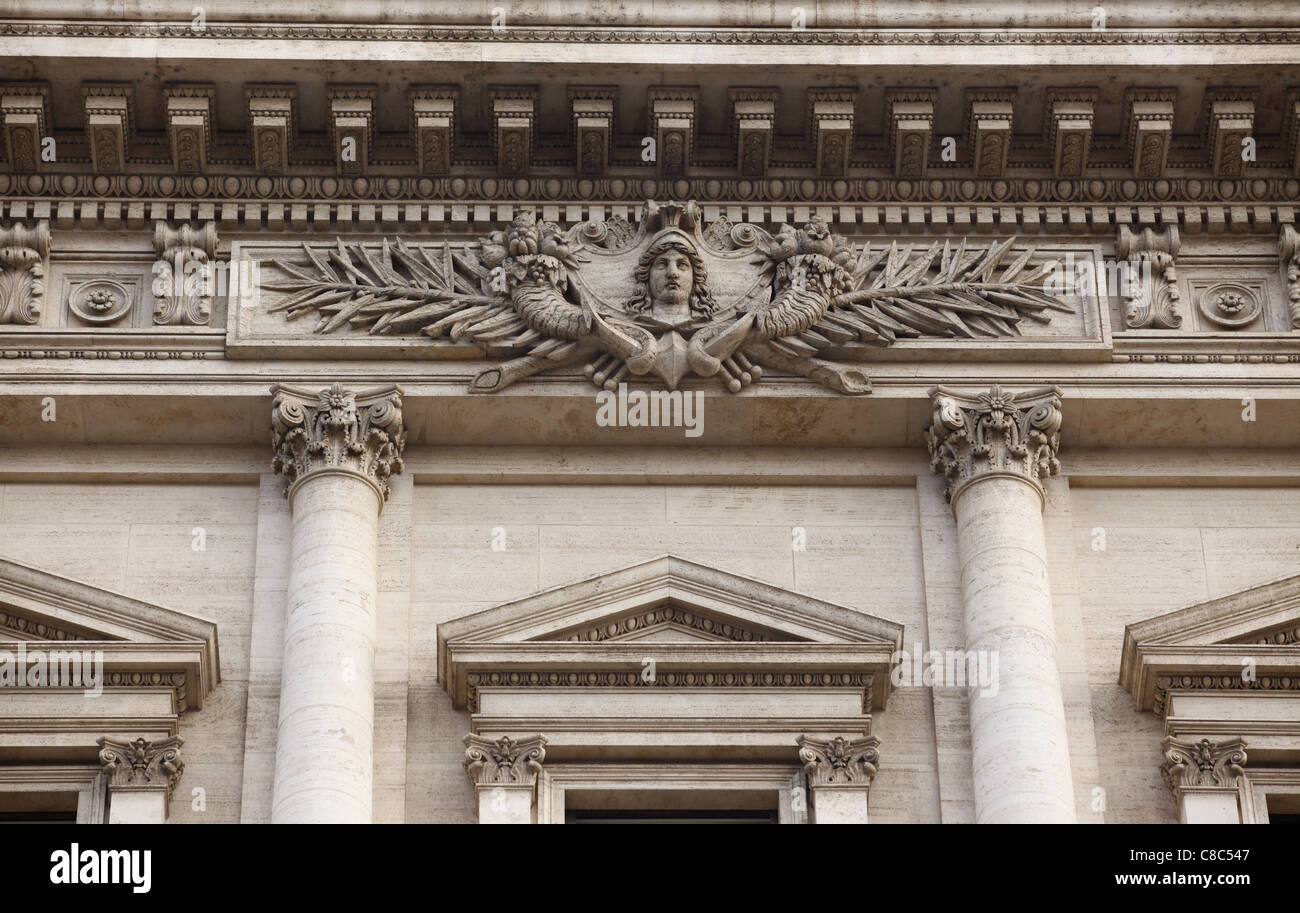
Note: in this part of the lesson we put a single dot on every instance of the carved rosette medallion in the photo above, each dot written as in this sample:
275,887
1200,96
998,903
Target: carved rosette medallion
1230,305
839,761
672,300
141,764
1202,764
994,433
100,302
22,272
338,429
504,761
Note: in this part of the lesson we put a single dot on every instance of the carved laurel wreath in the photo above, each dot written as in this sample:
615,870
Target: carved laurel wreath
815,305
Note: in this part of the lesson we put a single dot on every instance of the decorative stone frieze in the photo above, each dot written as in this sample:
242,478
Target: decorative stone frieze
504,761
141,764
1289,252
994,433
839,761
23,252
677,302
1202,763
336,429
1152,301
183,275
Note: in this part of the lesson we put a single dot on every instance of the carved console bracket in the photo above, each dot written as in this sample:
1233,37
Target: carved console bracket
1289,251
1153,290
183,274
23,252
340,430
994,433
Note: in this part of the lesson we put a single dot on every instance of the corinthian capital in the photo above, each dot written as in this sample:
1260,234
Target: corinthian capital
839,761
1203,763
141,764
337,429
994,433
504,762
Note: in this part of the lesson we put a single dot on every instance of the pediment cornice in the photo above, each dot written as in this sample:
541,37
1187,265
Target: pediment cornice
1242,642
143,645
711,629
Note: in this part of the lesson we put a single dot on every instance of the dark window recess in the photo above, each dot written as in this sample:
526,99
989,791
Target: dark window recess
670,816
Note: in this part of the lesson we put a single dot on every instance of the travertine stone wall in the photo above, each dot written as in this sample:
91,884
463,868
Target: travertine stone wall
1165,548
139,539
888,550
863,551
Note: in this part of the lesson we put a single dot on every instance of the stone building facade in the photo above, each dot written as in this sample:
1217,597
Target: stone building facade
537,413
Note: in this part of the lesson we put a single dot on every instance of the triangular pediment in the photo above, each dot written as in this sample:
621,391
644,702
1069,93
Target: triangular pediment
142,643
1210,641
698,618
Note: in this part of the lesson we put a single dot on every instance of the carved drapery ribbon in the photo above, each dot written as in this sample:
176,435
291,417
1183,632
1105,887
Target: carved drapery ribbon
839,761
338,429
994,432
22,270
141,764
1202,763
504,761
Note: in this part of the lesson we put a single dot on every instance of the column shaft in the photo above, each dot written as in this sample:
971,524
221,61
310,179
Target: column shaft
324,749
1020,754
338,448
995,448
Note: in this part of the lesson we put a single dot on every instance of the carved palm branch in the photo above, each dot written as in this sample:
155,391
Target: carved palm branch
399,290
942,291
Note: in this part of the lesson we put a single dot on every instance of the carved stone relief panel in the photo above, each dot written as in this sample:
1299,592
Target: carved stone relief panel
671,298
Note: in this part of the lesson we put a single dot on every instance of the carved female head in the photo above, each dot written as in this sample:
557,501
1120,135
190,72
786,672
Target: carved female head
670,274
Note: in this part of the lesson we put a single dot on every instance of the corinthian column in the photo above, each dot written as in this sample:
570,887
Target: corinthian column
995,449
337,448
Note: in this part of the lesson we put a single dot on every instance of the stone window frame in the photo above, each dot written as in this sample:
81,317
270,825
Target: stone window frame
85,780
1257,785
786,780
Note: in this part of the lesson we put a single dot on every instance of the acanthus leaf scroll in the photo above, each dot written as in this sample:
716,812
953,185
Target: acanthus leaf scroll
669,299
